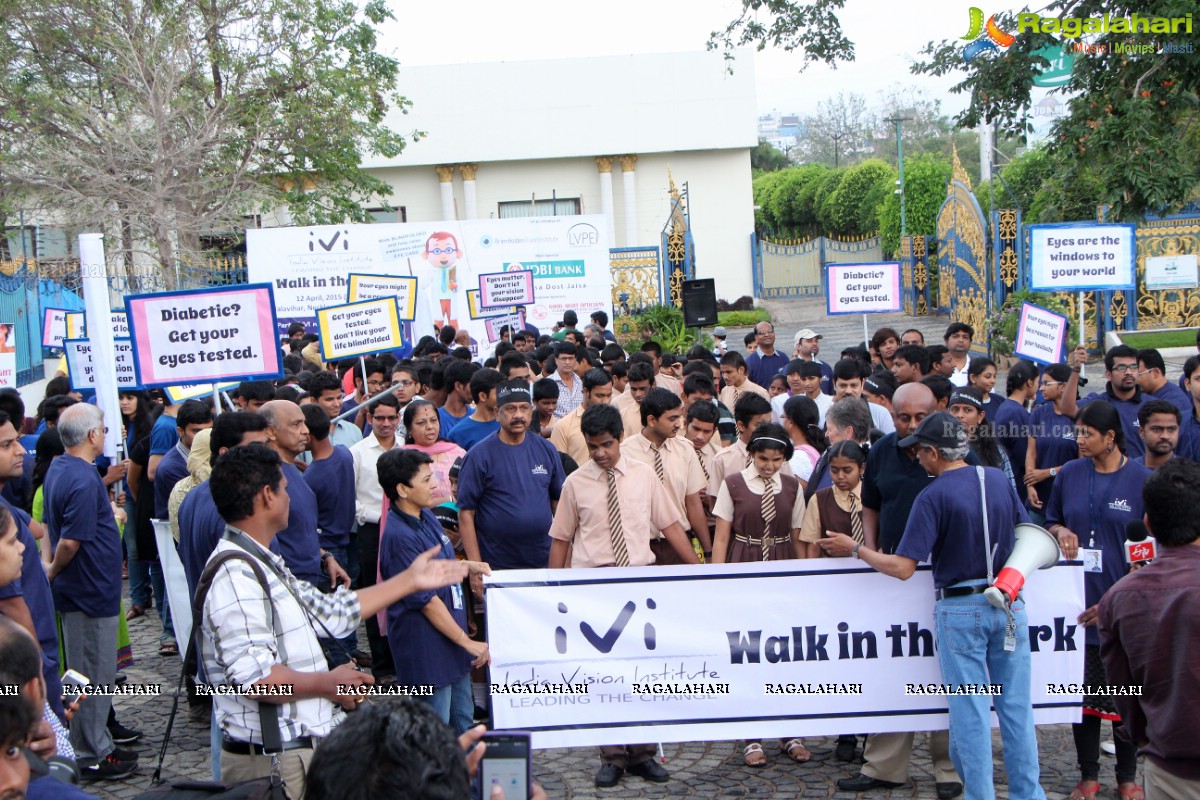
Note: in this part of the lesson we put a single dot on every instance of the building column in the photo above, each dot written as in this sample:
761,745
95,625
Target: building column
604,166
468,175
629,183
445,173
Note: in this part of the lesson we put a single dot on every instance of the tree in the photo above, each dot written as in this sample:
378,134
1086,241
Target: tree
925,179
842,125
169,119
812,28
765,158
856,193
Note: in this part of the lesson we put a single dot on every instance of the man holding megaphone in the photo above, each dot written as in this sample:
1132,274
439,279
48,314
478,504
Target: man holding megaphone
964,523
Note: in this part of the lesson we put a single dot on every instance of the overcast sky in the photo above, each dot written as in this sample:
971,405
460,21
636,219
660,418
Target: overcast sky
887,35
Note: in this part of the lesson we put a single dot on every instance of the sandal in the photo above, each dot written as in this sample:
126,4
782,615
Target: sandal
753,755
1133,792
134,612
169,649
1081,792
796,751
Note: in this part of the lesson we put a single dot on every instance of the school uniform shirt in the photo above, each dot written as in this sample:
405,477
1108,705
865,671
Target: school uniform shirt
368,494
1128,411
731,394
706,453
622,399
945,526
631,422
510,488
723,508
332,482
1011,424
469,433
1097,508
77,508
760,369
890,484
422,654
568,438
730,460
670,383
582,515
172,468
823,402
299,543
811,527
1055,443
683,473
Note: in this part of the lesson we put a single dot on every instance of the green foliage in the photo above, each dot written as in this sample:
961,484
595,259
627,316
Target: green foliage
766,158
823,198
785,200
854,193
811,28
925,180
743,319
1002,323
664,324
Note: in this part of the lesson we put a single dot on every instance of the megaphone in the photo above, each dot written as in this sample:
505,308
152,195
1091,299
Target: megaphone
1036,548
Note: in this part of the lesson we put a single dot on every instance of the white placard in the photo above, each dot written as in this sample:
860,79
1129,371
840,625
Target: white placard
1041,335
81,366
8,355
1079,257
1172,272
863,288
768,665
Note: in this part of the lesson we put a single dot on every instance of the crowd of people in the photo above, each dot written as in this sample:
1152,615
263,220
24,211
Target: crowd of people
378,492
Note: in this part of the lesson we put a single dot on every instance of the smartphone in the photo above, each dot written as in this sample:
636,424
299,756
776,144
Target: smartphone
78,680
506,763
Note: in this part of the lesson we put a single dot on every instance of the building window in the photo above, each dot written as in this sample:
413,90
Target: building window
388,214
561,207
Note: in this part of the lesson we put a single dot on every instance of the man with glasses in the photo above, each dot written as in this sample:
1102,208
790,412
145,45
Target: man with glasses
405,387
1121,372
765,363
570,385
1152,380
364,388
368,508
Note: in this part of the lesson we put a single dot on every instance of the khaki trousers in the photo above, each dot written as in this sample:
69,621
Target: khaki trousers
887,756
293,768
1162,785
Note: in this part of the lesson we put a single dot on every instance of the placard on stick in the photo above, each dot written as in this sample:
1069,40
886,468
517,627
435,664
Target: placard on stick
514,321
1041,335
1081,257
81,366
204,335
203,391
475,311
77,325
369,287
358,329
502,289
863,288
54,326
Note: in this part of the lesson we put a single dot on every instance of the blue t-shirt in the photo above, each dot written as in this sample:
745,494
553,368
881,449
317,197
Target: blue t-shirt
509,487
890,484
1189,438
19,491
761,369
826,378
163,436
1086,501
172,468
1176,397
332,482
992,403
1128,411
469,433
946,523
200,528
448,422
1055,435
820,477
1012,432
299,543
34,589
77,508
422,654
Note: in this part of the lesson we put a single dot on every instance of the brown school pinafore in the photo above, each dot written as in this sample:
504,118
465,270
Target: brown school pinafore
833,517
746,528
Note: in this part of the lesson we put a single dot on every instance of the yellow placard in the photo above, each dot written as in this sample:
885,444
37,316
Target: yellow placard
359,329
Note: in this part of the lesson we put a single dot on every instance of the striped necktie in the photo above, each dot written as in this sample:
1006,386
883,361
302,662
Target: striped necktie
703,468
856,525
658,465
768,513
615,529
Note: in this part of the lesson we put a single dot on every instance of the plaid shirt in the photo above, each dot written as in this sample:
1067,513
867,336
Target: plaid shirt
238,646
569,398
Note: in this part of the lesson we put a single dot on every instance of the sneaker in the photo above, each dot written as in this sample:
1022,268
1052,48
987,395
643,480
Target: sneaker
122,754
110,769
122,735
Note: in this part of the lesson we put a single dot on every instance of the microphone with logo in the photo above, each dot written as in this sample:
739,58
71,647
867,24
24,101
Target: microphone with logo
1140,546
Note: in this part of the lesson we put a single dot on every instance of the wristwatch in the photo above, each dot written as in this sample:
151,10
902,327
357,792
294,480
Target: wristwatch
854,552
1053,471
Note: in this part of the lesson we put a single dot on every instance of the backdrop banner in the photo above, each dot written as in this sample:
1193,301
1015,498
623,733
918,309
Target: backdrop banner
308,267
679,654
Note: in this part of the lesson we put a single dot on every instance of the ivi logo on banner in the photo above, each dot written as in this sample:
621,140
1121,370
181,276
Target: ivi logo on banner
604,642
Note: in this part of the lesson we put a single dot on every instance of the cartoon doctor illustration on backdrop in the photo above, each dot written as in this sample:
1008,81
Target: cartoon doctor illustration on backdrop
442,252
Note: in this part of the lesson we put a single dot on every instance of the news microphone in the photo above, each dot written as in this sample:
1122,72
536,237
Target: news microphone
1140,546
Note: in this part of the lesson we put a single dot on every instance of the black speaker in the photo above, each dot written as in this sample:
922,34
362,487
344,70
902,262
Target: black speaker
700,303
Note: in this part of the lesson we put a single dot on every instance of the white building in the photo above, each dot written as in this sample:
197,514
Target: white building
587,135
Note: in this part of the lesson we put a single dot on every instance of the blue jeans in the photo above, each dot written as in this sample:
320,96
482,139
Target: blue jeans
454,704
970,635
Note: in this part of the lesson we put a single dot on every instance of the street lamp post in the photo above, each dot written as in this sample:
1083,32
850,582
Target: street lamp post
899,121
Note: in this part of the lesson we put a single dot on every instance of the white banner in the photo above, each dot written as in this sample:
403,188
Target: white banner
1075,257
795,648
308,267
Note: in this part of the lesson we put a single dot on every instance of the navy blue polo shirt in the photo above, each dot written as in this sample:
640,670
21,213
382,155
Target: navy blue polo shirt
509,487
820,478
890,485
200,528
946,526
1011,424
1085,501
77,508
1176,397
422,654
34,589
19,491
468,432
1189,438
299,544
761,369
332,482
172,468
826,377
1128,411
992,403
1055,438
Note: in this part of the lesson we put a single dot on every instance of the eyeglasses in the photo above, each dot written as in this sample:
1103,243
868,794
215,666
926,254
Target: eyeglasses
1050,384
767,332
437,251
1121,369
385,420
404,383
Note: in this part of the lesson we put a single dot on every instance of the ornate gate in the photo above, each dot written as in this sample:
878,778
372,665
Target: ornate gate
635,285
679,252
962,257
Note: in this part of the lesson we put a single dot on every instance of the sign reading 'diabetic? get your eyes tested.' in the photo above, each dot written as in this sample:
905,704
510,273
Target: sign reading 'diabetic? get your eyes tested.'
359,329
1077,257
863,288
204,335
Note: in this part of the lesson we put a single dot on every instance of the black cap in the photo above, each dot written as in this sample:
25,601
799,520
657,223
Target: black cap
513,392
967,396
937,430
